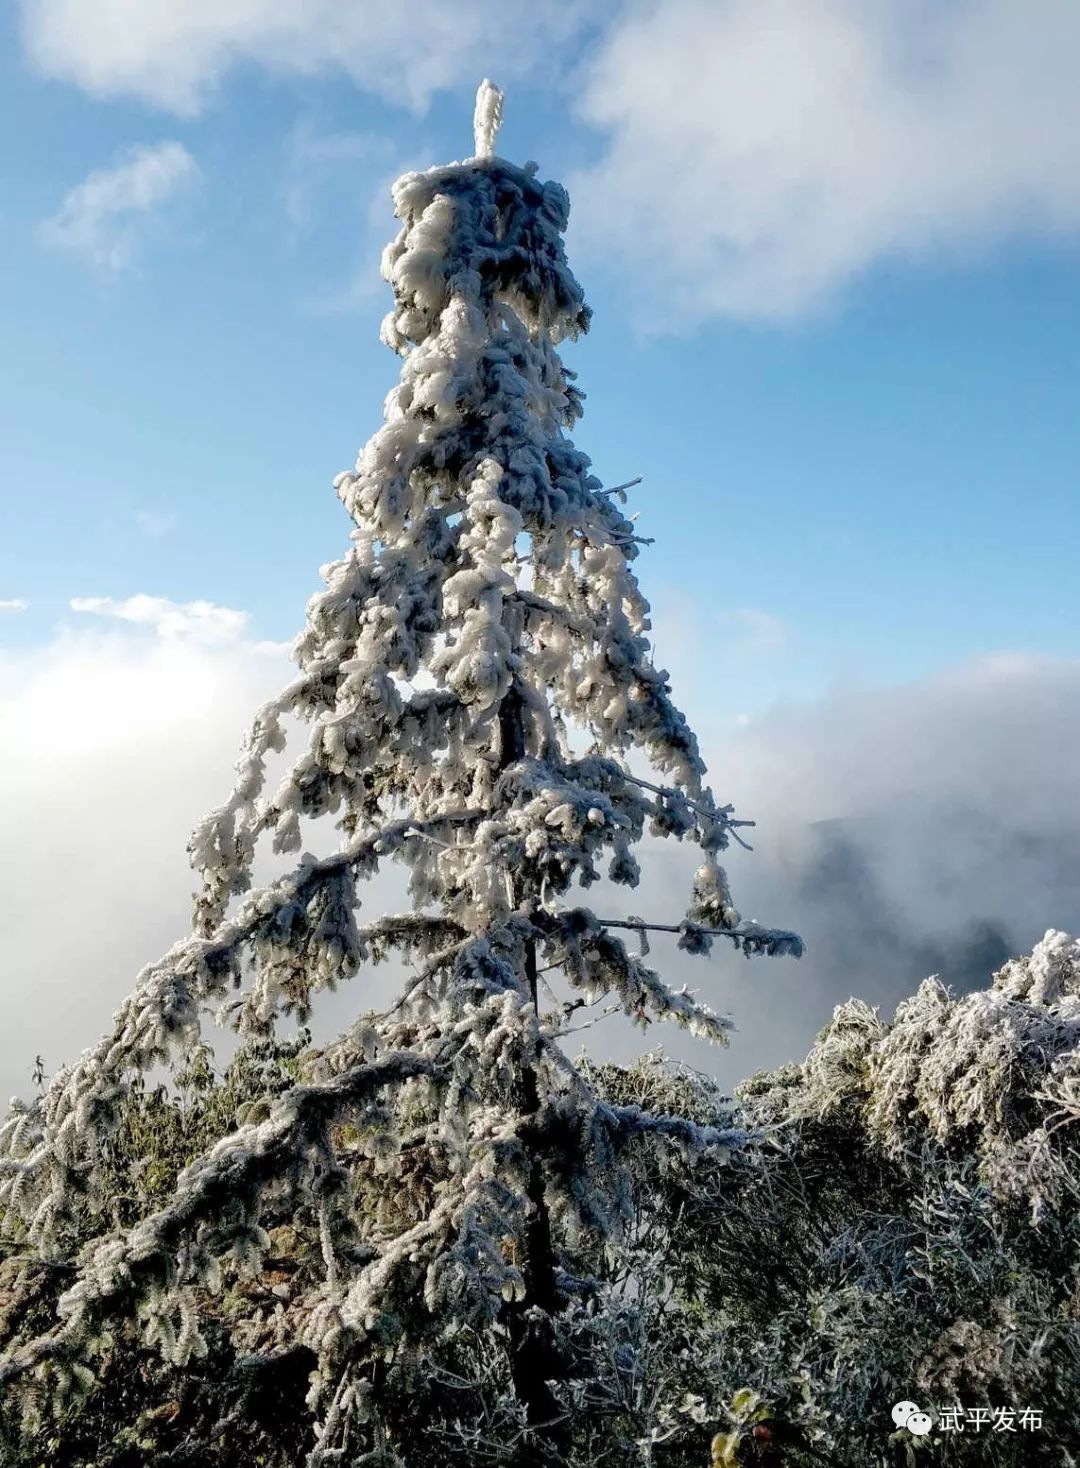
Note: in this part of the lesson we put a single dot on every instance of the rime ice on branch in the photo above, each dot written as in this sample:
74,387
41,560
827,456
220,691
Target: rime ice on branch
486,607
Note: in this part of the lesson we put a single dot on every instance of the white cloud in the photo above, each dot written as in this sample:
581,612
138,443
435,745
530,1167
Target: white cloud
13,604
996,733
960,792
174,55
903,830
199,621
762,154
758,156
102,219
112,746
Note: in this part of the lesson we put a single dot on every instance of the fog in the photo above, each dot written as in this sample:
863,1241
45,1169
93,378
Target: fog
903,830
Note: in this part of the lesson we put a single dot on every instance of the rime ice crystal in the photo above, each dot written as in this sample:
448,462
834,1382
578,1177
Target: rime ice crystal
486,602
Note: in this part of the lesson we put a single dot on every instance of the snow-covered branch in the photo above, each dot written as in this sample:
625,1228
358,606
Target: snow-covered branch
750,937
226,1184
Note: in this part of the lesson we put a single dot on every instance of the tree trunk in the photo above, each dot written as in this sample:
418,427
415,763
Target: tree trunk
534,1359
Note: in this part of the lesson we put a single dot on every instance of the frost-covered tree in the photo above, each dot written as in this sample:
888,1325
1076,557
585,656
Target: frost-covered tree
906,1228
483,707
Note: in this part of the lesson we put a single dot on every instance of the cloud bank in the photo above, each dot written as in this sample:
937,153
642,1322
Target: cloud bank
175,56
103,219
114,740
196,621
905,830
754,157
948,836
763,154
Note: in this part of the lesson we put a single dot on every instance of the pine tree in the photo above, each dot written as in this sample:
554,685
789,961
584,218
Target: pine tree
477,679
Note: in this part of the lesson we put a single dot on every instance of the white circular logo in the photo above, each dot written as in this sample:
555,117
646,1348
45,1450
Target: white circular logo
911,1416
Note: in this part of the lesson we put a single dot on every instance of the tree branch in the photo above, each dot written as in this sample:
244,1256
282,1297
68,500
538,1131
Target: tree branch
243,1161
781,940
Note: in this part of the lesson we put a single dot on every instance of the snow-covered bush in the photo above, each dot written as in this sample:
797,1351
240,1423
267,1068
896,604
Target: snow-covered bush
769,1300
905,1229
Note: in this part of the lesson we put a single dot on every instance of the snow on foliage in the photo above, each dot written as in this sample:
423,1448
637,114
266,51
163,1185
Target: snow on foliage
916,1228
486,608
997,1071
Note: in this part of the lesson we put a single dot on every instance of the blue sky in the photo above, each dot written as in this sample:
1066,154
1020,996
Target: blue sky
887,474
833,253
